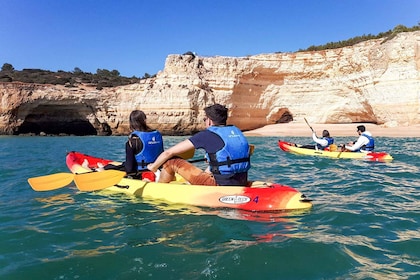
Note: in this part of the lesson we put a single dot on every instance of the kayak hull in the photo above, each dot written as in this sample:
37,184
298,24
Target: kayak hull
259,196
369,156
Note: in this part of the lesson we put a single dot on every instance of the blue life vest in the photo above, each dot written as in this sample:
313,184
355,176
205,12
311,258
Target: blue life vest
152,148
234,156
330,141
369,146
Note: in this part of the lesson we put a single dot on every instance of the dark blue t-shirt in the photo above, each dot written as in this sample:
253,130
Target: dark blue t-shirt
211,143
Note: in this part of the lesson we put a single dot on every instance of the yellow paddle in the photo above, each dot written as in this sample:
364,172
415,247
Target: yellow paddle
98,180
89,181
50,182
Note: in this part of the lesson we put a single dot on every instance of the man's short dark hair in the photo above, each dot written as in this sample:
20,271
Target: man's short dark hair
361,128
217,113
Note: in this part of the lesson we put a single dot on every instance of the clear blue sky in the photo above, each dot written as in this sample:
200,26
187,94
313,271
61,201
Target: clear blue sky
135,36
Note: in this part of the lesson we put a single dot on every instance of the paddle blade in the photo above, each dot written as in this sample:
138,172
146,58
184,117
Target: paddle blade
50,182
94,181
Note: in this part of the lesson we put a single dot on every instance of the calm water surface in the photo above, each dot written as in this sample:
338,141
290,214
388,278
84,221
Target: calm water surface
364,223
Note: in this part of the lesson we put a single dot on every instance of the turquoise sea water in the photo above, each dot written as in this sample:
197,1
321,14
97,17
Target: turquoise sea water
364,223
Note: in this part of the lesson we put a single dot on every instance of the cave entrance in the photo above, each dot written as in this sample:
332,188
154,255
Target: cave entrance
58,120
284,116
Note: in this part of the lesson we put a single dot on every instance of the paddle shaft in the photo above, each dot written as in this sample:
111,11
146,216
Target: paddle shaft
309,125
197,160
343,148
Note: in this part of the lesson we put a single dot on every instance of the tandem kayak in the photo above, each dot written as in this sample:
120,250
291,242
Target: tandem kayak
370,156
257,196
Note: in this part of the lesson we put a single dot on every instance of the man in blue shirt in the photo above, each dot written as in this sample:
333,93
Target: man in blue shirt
227,152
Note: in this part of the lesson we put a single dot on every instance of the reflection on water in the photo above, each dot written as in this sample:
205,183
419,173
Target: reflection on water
56,200
372,269
100,250
227,213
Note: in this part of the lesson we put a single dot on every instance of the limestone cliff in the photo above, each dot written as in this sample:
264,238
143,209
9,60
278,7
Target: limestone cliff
376,81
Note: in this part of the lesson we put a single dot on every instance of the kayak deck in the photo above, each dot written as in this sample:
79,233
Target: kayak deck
258,196
370,156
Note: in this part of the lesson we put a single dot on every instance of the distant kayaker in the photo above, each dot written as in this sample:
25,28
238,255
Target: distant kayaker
143,146
227,153
364,143
321,143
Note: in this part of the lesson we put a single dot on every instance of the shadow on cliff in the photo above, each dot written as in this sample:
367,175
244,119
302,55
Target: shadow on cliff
71,127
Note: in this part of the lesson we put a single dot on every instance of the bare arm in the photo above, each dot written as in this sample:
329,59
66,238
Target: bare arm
179,148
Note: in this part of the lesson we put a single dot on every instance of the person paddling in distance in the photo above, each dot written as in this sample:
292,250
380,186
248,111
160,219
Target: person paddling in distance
321,143
143,146
227,153
365,142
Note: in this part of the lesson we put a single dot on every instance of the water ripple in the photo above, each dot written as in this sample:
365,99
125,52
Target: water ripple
364,223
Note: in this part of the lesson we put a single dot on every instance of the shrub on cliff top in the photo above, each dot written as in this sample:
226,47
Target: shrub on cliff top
358,39
102,78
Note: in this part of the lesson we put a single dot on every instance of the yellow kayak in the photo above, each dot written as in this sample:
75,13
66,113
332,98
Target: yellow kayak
370,156
257,196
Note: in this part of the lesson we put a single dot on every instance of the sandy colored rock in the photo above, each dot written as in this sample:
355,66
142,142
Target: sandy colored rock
375,82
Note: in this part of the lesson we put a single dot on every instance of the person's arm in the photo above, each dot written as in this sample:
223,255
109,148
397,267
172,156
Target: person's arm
130,159
179,148
320,141
359,143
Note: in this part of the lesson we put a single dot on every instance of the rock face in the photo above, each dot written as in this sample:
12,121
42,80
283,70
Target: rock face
377,81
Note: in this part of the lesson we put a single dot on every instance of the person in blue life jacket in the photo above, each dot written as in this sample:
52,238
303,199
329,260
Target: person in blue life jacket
143,146
365,142
227,153
321,143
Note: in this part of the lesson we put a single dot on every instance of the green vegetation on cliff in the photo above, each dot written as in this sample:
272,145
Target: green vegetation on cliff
358,39
102,78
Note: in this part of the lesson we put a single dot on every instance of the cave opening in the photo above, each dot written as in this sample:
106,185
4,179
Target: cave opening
57,120
285,117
